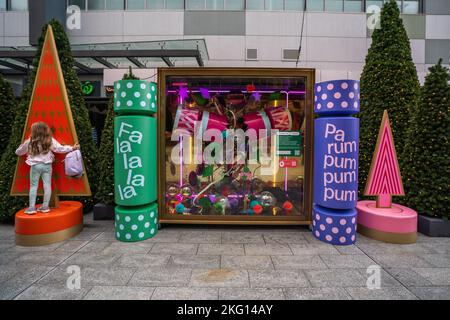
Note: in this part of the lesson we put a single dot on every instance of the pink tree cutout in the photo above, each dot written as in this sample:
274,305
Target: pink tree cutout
384,179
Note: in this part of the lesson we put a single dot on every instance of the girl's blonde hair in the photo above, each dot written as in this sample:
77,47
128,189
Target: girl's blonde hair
41,139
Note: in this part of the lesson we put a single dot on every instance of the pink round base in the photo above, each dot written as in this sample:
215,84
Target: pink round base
397,219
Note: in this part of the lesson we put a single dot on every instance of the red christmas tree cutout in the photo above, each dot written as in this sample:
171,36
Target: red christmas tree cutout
50,104
384,179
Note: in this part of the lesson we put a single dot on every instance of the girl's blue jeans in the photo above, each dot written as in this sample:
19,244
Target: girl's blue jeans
36,172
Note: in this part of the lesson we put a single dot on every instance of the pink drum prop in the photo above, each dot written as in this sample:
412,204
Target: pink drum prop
214,121
186,118
257,121
280,118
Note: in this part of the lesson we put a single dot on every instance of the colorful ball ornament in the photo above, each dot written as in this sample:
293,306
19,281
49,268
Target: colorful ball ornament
257,209
180,208
288,206
254,203
172,190
186,191
267,199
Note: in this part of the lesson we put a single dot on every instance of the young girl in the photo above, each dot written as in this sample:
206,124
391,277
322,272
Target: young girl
39,148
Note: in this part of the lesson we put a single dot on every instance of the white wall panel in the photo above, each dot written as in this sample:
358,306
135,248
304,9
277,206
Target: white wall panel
418,51
274,23
438,27
153,23
336,49
102,23
344,25
226,47
16,24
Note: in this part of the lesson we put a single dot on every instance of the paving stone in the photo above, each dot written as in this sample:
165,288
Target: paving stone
218,278
200,237
92,259
106,236
95,246
347,261
174,248
335,278
313,249
8,257
389,248
287,238
316,294
86,235
195,261
90,276
408,277
139,260
277,279
6,244
128,247
52,292
50,259
161,277
165,236
298,262
352,249
400,260
119,293
71,246
242,237
437,260
246,262
394,293
386,279
219,249
440,248
24,277
437,276
174,293
268,249
251,294
431,293
47,248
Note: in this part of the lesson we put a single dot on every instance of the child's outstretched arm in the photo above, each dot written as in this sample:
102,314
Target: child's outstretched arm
58,148
23,148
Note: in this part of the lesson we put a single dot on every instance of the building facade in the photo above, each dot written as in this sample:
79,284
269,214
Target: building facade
334,34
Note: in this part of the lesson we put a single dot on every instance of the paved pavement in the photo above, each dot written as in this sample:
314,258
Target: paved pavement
192,262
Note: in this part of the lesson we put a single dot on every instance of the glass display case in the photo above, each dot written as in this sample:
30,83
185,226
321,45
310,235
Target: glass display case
235,145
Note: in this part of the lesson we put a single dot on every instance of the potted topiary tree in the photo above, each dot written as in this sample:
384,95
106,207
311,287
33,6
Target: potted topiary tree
427,155
104,209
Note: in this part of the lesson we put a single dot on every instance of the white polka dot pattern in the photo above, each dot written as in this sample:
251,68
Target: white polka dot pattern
337,97
136,224
339,227
135,97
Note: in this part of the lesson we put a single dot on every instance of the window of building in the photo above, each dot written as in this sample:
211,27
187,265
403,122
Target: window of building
2,5
214,4
115,4
334,5
273,5
155,4
255,4
80,3
294,5
175,4
353,6
195,4
96,4
234,4
411,7
315,5
19,5
136,4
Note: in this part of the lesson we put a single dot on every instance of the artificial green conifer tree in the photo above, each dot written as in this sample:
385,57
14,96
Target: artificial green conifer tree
10,205
427,151
388,82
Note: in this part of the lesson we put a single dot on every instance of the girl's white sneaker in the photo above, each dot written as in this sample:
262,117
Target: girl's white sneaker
43,210
30,211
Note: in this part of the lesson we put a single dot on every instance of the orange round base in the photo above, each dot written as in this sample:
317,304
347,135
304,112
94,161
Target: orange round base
59,224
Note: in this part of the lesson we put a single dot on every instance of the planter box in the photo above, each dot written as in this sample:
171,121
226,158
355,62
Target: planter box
434,227
103,212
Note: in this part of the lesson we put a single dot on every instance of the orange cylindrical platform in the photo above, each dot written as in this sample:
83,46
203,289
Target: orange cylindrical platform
59,224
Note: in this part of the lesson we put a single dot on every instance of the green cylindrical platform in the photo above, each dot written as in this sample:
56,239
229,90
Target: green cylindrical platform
136,223
135,97
135,160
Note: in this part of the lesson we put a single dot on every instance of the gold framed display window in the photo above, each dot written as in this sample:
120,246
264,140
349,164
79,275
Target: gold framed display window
235,145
